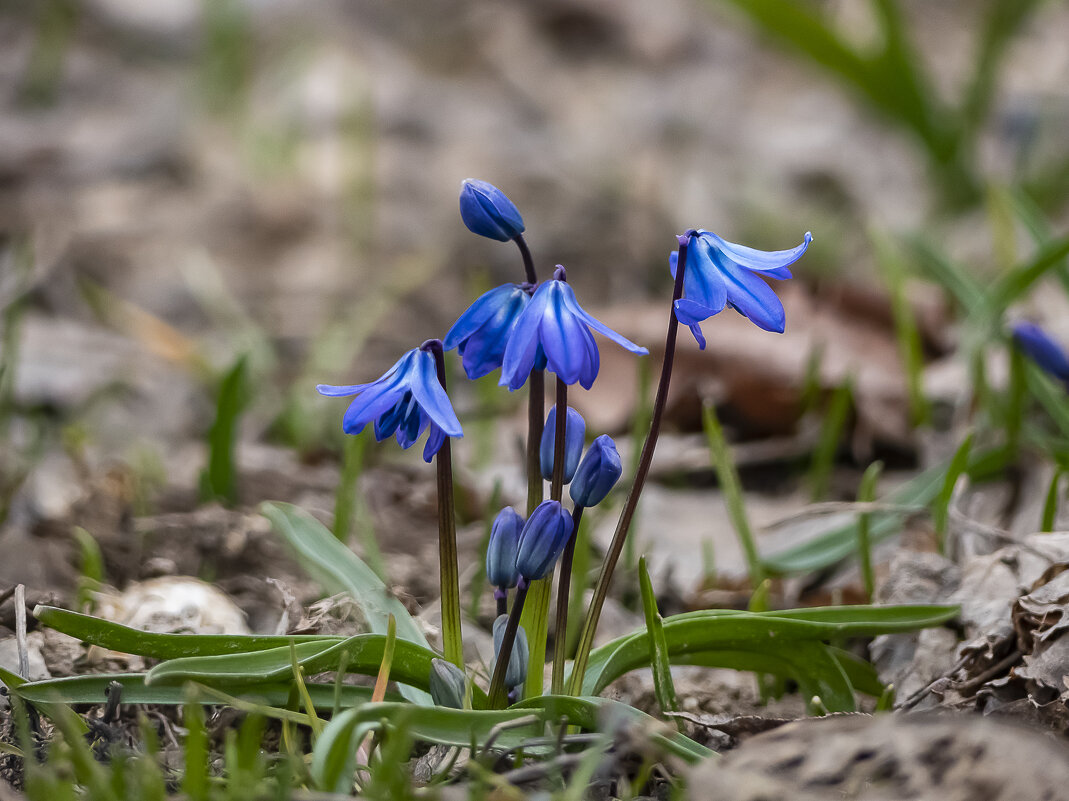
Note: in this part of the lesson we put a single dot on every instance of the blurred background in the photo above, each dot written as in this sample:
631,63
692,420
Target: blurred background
208,207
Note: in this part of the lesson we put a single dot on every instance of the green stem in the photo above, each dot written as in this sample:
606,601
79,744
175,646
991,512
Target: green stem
601,590
564,581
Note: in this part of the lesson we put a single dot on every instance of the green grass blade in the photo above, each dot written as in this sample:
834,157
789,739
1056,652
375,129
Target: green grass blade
219,480
116,637
663,686
1050,503
731,488
941,506
831,434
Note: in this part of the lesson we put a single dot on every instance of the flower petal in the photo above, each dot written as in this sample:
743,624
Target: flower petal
562,336
430,395
523,345
479,313
690,313
753,259
435,440
753,298
703,284
572,304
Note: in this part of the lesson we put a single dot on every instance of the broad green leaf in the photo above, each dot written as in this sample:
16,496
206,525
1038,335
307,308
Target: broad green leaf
360,654
92,689
338,569
116,637
731,638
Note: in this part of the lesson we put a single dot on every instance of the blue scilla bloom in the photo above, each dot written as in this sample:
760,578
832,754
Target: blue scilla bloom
543,538
502,548
516,672
405,402
574,434
597,474
487,212
481,333
1035,343
721,274
554,331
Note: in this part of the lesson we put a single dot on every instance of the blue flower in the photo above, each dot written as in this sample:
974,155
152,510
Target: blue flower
481,333
516,672
574,436
721,274
406,401
1040,348
555,328
542,540
597,474
501,550
487,212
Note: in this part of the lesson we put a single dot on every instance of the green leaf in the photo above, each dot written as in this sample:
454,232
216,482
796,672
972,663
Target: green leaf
338,569
941,506
663,686
92,689
116,637
768,641
360,654
220,477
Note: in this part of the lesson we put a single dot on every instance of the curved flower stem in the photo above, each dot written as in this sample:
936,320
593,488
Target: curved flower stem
601,590
497,681
564,582
556,486
528,261
452,639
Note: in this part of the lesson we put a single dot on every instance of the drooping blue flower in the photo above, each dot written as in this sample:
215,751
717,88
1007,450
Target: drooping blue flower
554,327
406,401
481,333
1035,343
721,274
487,212
516,672
574,434
542,540
501,550
597,474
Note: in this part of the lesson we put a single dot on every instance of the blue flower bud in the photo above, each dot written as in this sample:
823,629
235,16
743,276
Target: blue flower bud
542,540
1035,343
448,684
487,212
501,551
516,673
597,474
574,432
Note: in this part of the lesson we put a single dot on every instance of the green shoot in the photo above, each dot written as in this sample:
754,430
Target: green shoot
731,488
867,494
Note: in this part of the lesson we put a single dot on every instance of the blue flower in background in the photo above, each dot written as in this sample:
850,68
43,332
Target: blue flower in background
501,550
1035,343
555,328
574,438
405,402
721,274
481,332
487,212
597,474
542,540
